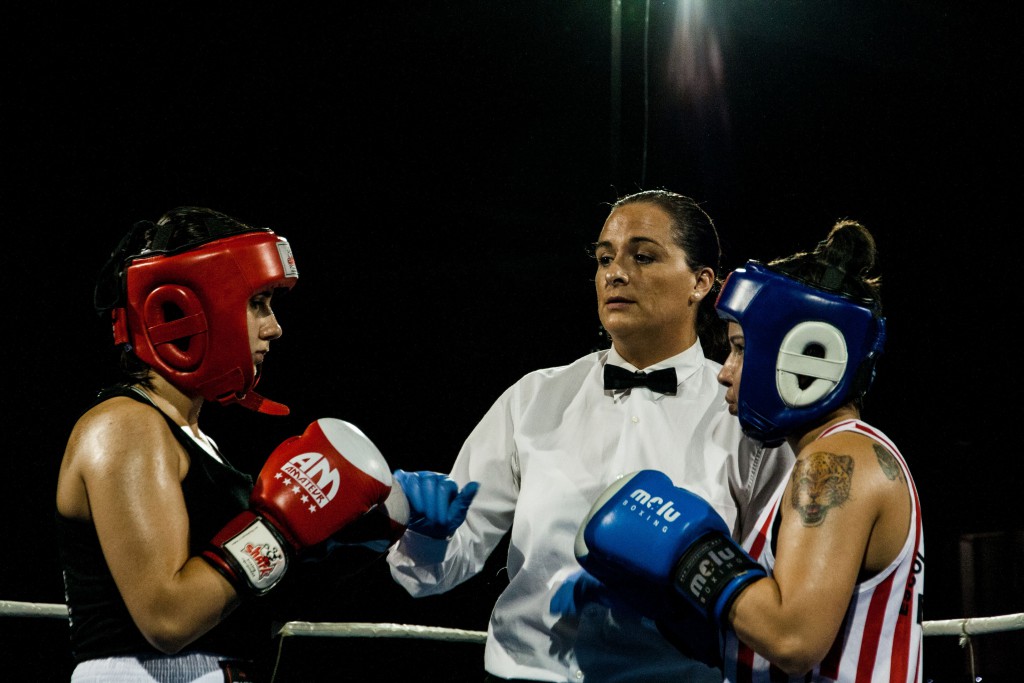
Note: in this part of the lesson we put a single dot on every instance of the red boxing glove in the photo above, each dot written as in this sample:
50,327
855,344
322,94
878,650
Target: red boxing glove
311,486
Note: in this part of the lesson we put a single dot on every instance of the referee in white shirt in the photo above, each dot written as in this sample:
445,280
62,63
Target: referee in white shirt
557,438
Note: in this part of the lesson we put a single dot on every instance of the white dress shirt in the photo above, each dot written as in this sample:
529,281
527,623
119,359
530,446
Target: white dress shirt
543,453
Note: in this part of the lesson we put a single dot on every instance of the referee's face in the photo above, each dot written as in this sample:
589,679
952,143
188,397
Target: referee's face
644,286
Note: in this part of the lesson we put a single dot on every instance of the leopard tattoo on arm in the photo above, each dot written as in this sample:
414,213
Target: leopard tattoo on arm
821,482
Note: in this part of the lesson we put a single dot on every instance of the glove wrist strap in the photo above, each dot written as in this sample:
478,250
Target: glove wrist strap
712,573
254,551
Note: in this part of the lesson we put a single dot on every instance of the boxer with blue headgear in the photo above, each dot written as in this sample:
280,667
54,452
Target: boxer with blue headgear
829,584
814,348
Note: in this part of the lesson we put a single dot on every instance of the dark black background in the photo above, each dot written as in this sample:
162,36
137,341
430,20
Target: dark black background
440,167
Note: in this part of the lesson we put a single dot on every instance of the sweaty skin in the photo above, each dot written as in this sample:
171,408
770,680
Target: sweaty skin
122,470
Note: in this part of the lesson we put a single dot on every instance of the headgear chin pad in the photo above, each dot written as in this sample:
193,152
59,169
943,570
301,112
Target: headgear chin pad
184,312
807,351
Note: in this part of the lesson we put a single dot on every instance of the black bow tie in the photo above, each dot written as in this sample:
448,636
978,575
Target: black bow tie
662,381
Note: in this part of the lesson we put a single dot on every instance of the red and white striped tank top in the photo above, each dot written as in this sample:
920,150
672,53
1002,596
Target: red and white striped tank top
880,640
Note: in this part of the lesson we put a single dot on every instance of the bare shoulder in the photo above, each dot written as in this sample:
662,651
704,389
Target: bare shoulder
880,491
117,445
112,428
870,455
870,468
840,470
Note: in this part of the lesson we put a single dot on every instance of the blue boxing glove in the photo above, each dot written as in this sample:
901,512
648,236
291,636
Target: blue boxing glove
645,529
436,506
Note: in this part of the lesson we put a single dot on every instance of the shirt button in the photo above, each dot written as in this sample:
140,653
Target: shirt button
636,419
579,675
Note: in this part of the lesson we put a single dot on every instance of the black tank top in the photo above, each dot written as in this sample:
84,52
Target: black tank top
100,623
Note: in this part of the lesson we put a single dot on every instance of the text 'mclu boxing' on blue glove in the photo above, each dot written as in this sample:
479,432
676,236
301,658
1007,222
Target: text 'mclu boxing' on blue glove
436,505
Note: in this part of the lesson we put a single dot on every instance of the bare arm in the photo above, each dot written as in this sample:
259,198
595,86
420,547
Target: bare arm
123,469
843,513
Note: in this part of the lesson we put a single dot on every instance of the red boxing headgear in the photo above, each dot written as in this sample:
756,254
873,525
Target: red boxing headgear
184,313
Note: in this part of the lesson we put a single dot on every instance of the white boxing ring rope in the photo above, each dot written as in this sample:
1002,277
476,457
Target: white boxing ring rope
351,629
355,629
968,626
974,626
11,608
963,628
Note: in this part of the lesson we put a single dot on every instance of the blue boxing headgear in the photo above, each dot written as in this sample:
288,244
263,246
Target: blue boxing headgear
794,330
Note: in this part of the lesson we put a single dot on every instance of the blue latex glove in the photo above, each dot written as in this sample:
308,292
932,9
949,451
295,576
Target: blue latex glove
580,588
436,506
686,629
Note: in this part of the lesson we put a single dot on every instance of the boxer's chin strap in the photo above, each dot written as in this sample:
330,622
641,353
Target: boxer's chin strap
254,401
260,404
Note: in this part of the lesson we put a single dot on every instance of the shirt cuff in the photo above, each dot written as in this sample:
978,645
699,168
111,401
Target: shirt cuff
423,549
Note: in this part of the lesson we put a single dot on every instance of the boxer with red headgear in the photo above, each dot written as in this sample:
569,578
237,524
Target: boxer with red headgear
160,537
179,308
